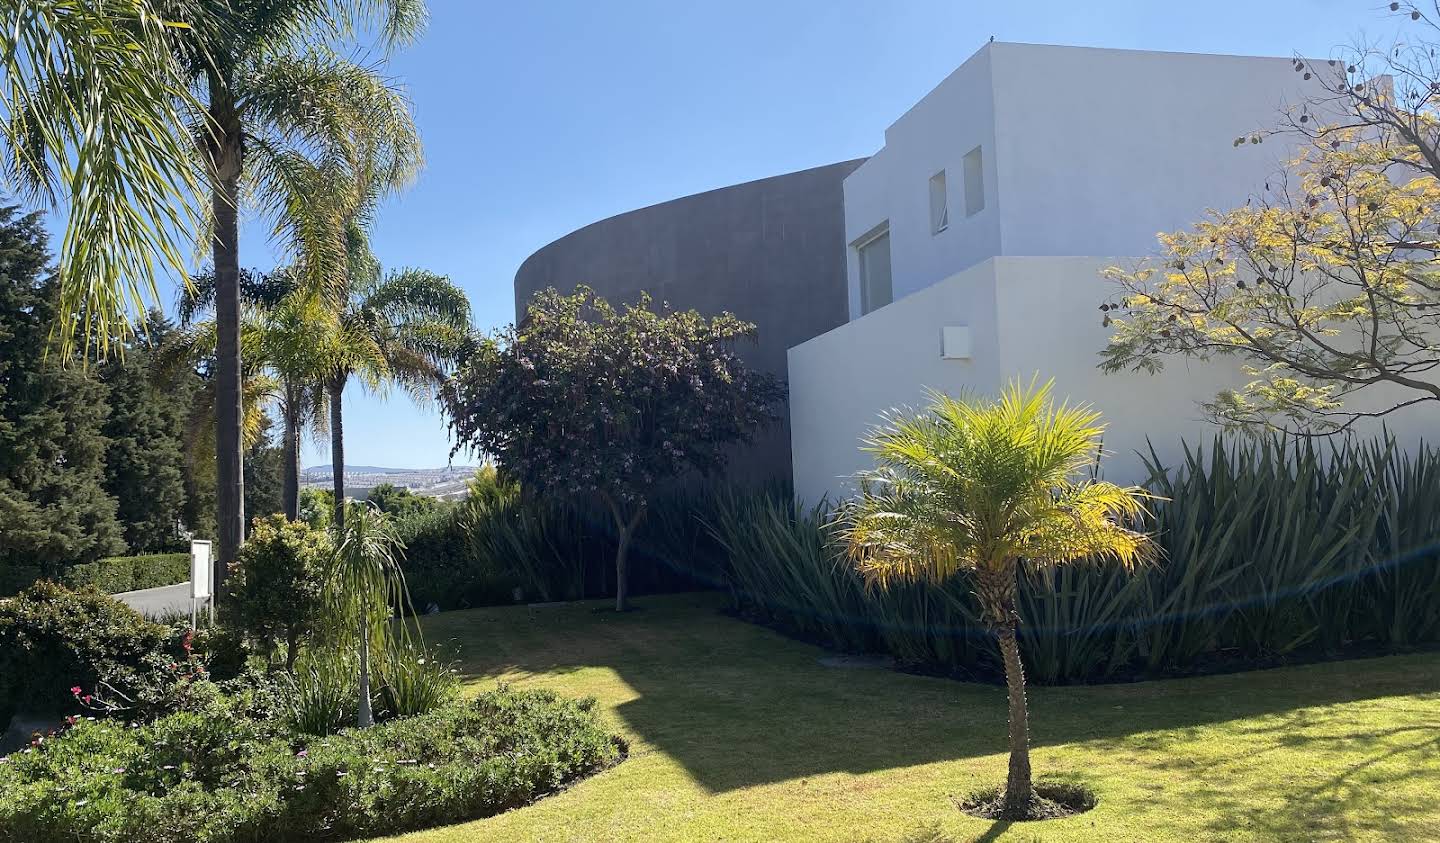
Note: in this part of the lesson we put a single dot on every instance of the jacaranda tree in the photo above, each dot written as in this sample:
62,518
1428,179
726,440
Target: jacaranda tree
977,488
583,399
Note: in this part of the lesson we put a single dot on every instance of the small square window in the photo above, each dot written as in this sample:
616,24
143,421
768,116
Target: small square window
939,205
974,182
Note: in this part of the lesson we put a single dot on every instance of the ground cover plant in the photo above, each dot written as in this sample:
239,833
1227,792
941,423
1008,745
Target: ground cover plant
222,775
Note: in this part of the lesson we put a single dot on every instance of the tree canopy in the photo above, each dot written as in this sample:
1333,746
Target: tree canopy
586,399
1326,287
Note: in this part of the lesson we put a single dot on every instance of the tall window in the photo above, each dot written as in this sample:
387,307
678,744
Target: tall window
974,182
874,254
939,206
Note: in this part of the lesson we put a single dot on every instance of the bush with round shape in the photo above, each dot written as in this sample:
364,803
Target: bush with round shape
53,639
276,584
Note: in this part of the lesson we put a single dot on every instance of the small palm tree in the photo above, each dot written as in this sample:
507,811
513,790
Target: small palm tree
364,581
975,487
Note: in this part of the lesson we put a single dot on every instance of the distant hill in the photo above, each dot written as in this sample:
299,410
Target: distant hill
366,469
449,481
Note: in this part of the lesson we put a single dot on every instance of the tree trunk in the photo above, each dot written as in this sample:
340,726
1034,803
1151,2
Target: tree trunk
626,529
622,558
291,491
336,388
1018,787
226,150
292,648
996,589
365,718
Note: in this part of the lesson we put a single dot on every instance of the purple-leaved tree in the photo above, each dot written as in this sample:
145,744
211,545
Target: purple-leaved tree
586,400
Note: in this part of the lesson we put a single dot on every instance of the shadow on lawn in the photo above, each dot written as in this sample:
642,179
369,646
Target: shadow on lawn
1355,787
738,705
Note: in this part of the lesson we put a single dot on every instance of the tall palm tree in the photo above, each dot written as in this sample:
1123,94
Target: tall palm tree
278,108
92,109
364,581
975,487
406,328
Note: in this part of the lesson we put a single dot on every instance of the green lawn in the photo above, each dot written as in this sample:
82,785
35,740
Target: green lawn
740,734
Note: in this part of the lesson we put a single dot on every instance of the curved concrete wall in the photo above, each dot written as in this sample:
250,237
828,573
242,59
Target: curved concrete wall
770,251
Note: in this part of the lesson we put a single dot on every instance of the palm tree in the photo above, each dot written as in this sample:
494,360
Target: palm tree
977,486
364,581
407,328
92,106
278,110
295,340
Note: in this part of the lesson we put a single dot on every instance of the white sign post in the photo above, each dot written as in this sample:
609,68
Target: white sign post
200,575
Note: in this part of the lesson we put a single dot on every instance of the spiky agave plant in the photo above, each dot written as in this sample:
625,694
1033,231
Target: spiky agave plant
974,486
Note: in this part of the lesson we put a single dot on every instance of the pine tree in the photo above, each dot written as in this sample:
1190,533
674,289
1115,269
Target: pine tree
264,476
53,505
145,464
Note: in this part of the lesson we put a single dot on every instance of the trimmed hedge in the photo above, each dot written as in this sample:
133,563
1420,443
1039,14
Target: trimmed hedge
222,776
116,574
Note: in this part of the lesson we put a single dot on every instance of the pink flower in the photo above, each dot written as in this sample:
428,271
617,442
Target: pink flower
75,691
302,753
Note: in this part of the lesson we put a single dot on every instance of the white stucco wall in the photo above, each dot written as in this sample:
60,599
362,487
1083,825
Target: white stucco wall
933,135
1027,315
1087,152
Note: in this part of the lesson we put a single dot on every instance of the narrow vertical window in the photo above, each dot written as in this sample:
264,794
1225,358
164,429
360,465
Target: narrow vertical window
939,205
875,287
974,182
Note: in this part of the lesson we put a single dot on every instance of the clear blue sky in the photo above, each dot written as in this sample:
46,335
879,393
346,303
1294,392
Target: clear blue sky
541,117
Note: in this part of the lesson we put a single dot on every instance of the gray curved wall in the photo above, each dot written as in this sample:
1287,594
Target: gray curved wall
770,251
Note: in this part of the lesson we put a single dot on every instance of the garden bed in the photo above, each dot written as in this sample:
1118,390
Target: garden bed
223,774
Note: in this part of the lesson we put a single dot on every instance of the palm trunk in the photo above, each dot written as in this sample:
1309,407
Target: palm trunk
1018,787
226,152
366,717
291,490
996,589
336,388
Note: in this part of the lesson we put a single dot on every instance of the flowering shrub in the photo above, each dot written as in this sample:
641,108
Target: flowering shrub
222,775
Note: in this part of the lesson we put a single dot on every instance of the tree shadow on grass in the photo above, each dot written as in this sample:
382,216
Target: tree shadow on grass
738,705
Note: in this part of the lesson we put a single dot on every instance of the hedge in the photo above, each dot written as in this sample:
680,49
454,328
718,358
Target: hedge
116,574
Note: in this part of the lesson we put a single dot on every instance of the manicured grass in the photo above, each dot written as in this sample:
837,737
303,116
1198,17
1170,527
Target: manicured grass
740,734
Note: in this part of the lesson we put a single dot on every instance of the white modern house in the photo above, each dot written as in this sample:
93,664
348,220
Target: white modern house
977,235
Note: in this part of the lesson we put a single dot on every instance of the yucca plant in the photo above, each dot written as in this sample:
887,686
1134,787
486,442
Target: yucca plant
364,582
974,487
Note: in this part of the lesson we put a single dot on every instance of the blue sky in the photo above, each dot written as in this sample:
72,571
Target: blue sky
541,117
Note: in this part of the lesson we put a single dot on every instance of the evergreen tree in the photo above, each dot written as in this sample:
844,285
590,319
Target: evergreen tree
145,464
264,476
53,505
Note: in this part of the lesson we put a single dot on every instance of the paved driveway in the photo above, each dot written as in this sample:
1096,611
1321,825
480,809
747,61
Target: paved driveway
165,600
